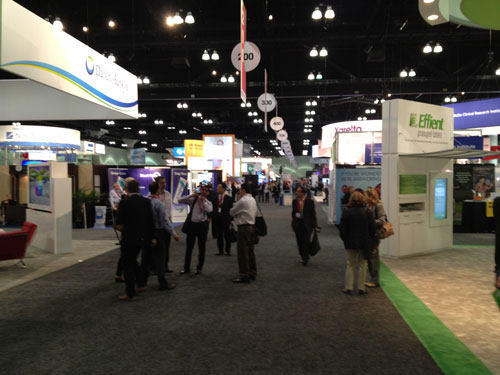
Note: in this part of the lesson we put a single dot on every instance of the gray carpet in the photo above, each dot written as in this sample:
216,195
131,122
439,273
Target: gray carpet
474,239
292,320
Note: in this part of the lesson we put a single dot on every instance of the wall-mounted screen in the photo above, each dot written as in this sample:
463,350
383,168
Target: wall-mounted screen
440,198
39,187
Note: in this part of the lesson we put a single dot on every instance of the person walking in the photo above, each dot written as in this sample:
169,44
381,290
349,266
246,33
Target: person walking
243,213
376,206
357,228
221,220
135,221
197,227
156,253
166,198
303,223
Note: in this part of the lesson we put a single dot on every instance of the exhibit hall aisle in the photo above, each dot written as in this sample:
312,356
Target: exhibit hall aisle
293,319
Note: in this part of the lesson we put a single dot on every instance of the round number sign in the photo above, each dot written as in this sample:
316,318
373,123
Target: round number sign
251,56
277,123
266,102
282,135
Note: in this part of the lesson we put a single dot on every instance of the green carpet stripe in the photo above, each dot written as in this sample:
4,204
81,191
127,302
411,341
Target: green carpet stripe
487,246
496,296
447,350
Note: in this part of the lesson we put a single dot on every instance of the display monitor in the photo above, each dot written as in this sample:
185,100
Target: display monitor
39,195
440,198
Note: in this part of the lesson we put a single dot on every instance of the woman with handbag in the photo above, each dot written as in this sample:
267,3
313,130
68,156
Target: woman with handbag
357,228
221,220
303,223
376,206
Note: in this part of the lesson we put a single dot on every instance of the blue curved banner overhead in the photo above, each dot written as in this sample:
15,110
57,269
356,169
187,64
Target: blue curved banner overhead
476,114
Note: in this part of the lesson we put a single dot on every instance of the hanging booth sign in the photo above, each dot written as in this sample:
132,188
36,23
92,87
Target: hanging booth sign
282,135
251,56
266,102
277,123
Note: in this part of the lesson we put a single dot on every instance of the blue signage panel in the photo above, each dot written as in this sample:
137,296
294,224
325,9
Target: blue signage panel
179,152
468,143
476,114
440,198
376,157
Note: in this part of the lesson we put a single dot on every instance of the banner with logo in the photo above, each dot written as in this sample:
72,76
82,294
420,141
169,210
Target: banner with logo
143,175
220,150
179,189
138,156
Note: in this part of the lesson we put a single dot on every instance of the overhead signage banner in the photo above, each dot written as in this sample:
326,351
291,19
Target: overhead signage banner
48,136
243,37
193,147
33,48
476,114
220,150
179,189
138,156
179,152
142,175
468,143
329,131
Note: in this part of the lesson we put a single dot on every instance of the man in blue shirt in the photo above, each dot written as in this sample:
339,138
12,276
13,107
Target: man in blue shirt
162,226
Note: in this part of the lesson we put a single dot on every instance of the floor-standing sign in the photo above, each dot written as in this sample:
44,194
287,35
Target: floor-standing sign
243,36
179,189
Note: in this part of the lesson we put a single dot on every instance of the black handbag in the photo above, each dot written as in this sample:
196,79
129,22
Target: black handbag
260,224
186,227
233,234
314,245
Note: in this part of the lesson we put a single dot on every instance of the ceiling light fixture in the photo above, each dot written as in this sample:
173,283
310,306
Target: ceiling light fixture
453,99
179,105
323,52
310,77
139,80
178,19
447,99
146,81
432,17
249,104
112,58
85,29
214,72
189,18
58,25
215,56
412,73
169,20
438,48
111,24
330,13
427,49
270,18
205,56
497,72
185,105
403,73
223,79
314,103
319,76
316,14
230,79
313,52
308,103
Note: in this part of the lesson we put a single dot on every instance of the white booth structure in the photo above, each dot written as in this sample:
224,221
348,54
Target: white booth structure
417,190
63,79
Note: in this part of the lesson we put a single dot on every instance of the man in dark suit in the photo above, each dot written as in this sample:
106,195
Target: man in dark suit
221,220
303,222
135,221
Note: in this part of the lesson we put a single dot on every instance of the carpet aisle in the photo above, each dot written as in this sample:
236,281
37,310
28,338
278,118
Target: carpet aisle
293,319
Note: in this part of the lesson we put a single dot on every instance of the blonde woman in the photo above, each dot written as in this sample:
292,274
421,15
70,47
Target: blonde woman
357,229
376,206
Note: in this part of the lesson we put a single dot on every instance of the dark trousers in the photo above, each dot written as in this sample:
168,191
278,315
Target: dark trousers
224,238
246,255
373,259
267,197
119,266
302,239
131,270
168,239
155,255
197,231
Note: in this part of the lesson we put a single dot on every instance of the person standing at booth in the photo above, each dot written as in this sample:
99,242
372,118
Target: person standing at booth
196,227
135,221
244,212
221,220
303,223
376,206
166,198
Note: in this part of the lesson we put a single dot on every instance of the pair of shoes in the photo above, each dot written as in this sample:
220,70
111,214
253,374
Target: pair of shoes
219,254
119,279
241,280
362,292
197,272
141,289
372,285
347,291
167,287
183,272
124,297
168,271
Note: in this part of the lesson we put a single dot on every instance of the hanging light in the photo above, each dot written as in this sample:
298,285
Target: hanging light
178,19
139,80
230,79
249,104
447,99
179,105
323,52
427,48
308,103
313,113
432,17
330,13
242,105
376,101
308,113
185,105
214,72
403,73
382,100
438,48
310,77
313,52
319,76
85,29
215,55
360,118
112,58
205,56
412,73
169,20
58,25
111,24
223,79
372,111
250,114
314,103
316,14
453,99
194,114
367,111
497,72
146,81
189,18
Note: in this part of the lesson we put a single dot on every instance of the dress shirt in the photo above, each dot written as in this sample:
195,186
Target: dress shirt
200,210
114,198
244,210
166,198
160,219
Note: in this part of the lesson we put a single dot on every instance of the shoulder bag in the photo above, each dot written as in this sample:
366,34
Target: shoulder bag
186,227
387,230
260,224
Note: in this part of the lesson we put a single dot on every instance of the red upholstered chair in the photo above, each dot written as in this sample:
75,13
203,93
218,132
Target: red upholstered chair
13,244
